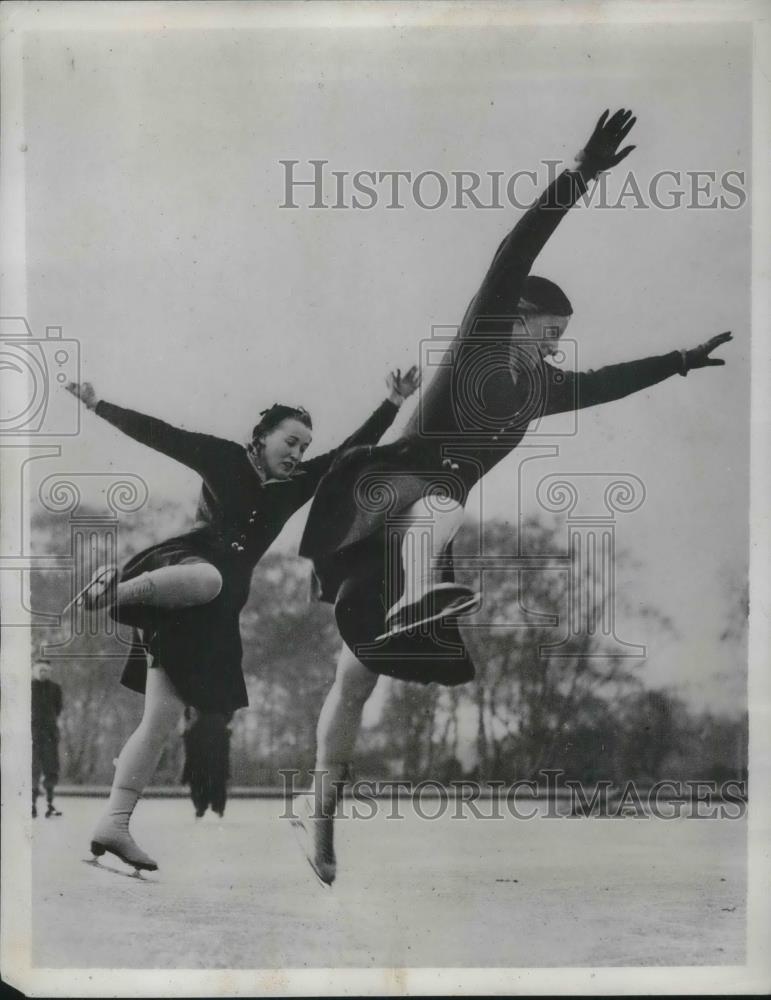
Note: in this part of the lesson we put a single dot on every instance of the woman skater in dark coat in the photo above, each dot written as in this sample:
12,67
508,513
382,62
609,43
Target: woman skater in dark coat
382,523
184,596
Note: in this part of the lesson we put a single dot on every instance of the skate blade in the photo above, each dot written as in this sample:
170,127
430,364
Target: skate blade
304,839
466,607
136,875
79,597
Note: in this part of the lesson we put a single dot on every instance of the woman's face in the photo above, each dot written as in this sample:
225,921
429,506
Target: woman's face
547,330
284,447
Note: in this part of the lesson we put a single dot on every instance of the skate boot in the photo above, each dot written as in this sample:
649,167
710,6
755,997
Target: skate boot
115,838
52,811
315,833
324,860
443,600
112,832
314,824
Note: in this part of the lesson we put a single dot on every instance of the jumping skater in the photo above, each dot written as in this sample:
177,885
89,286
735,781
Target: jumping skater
381,525
184,595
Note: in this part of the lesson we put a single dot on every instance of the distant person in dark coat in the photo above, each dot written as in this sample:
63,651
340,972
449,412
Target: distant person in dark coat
381,526
46,709
207,759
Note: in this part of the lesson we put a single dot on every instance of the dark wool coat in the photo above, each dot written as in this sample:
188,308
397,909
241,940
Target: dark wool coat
238,517
489,388
46,709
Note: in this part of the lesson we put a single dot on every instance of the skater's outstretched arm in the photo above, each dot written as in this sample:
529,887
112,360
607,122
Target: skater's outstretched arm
499,293
200,452
400,387
578,390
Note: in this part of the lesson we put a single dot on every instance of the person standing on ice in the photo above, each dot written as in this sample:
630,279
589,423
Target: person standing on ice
397,605
184,596
46,709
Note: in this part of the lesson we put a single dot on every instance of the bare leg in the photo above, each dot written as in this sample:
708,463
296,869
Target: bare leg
135,767
338,727
427,536
186,585
182,586
340,717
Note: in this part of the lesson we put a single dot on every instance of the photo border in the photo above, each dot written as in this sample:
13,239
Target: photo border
755,975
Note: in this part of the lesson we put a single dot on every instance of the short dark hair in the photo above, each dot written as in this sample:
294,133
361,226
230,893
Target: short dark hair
539,295
273,416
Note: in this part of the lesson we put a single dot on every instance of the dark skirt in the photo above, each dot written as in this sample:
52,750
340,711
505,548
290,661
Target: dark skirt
199,647
362,497
436,654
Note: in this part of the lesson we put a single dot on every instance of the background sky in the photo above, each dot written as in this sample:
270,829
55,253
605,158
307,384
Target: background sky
155,237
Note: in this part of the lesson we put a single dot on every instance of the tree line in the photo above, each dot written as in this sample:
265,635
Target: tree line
589,715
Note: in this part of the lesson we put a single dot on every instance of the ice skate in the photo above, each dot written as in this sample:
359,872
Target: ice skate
113,838
52,811
315,835
444,600
136,874
98,592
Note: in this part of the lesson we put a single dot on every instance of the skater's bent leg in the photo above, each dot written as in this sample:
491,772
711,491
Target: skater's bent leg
433,523
184,586
425,595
